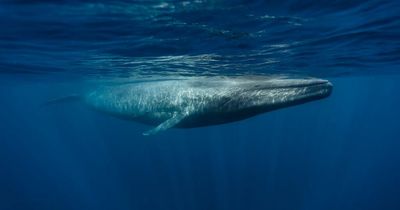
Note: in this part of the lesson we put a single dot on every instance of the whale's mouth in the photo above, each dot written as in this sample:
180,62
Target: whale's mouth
314,84
321,88
310,84
304,88
302,83
302,91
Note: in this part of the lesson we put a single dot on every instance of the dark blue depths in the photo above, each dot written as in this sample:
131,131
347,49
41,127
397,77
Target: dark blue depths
337,153
340,153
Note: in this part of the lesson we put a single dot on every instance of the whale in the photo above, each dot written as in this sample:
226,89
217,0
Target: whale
202,101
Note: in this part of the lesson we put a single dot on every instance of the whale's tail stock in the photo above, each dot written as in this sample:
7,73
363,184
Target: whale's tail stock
61,100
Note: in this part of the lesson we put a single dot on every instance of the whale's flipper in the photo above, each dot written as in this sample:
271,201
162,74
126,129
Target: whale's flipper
176,118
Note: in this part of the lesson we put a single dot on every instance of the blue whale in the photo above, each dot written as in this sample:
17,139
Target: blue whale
203,101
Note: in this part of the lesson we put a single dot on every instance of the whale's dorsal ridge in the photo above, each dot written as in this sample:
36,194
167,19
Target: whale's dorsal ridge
171,122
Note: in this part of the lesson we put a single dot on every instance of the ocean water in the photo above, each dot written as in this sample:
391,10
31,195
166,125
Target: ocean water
338,153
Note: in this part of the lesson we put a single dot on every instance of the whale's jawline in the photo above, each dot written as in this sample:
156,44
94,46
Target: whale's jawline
218,118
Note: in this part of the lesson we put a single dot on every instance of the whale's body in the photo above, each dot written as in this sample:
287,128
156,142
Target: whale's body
195,102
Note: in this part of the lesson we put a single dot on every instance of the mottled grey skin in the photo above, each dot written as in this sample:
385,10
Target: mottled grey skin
196,102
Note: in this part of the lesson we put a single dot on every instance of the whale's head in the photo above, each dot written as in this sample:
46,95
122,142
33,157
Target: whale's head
262,95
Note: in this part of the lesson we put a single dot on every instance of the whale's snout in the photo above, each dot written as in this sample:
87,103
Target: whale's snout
316,89
320,84
328,88
296,91
320,88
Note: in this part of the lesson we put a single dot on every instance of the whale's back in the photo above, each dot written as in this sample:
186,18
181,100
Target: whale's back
153,102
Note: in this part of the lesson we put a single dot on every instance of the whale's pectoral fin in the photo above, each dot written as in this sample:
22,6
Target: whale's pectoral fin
176,118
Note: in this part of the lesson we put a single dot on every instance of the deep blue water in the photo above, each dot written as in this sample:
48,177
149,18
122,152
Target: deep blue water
338,153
